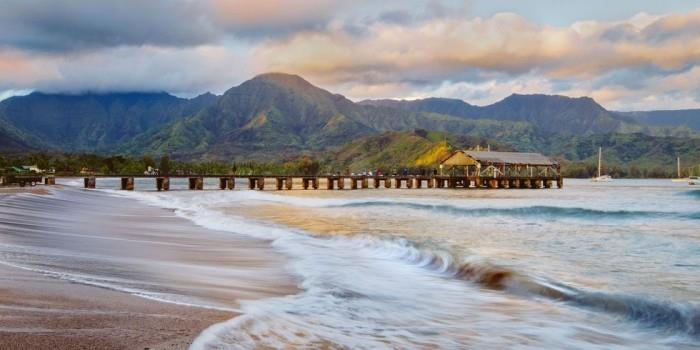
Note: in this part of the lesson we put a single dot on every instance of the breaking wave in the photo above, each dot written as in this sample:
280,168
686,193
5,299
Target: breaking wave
310,250
539,211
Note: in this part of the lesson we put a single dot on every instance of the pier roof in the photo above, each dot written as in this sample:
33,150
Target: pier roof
507,158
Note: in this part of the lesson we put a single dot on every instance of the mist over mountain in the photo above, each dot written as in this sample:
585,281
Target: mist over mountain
275,116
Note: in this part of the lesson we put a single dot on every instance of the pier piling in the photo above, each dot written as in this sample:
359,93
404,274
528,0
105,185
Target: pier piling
163,184
128,183
196,183
90,182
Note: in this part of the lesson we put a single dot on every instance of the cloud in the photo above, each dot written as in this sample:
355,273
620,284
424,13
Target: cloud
361,49
63,26
264,17
59,26
185,71
450,54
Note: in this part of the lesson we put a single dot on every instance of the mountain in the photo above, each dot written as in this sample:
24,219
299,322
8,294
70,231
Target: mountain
279,116
550,114
93,122
636,155
14,141
394,150
446,106
683,117
271,115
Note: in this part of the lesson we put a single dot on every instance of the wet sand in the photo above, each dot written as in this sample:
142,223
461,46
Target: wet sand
39,312
92,236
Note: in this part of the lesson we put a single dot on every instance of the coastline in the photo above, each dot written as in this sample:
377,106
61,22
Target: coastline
43,312
180,278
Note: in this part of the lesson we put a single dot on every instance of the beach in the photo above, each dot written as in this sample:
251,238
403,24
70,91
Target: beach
587,267
40,312
86,272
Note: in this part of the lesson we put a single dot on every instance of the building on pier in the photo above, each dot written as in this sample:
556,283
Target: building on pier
499,164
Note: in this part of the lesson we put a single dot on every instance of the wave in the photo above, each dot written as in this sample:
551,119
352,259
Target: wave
692,194
649,312
683,318
538,211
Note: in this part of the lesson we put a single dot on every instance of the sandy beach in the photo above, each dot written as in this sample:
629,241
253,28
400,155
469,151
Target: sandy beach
92,271
39,312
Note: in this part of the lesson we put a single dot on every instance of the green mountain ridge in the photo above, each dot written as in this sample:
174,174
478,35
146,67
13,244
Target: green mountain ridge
278,116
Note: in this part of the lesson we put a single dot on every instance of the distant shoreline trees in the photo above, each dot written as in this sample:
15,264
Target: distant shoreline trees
73,164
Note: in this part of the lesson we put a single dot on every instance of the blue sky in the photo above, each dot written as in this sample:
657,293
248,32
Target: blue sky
628,55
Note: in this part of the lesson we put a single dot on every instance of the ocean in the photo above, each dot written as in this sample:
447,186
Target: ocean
590,266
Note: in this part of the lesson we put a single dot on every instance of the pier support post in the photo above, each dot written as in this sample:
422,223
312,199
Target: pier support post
223,183
280,183
128,183
387,182
261,183
515,183
409,182
329,183
341,183
493,183
505,184
419,182
196,183
163,183
289,183
353,183
365,183
231,183
251,183
305,183
89,182
560,182
49,180
314,183
547,183
375,182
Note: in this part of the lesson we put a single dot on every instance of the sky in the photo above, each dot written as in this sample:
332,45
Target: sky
626,54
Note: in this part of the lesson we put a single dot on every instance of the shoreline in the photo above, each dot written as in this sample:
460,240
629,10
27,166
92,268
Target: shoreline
38,311
154,247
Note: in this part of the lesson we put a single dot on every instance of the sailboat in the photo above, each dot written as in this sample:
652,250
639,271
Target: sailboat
600,177
678,165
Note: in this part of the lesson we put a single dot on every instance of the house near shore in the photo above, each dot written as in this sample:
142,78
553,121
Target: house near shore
499,164
32,168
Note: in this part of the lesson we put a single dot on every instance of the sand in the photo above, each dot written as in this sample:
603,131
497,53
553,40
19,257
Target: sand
39,311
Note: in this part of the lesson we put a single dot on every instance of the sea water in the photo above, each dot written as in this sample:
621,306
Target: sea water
590,266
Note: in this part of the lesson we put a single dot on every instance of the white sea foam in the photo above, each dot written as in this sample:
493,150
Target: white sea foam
375,292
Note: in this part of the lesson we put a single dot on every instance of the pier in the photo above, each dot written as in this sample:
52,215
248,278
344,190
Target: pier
339,182
461,170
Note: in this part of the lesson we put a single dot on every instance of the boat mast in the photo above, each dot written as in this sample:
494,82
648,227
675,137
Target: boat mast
678,159
600,155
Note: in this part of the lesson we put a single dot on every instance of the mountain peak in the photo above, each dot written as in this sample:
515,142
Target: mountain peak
283,79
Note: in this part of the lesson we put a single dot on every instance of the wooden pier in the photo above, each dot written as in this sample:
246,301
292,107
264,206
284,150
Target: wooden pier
466,170
339,182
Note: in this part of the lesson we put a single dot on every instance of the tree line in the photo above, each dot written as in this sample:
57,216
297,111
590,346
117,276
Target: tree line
77,164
